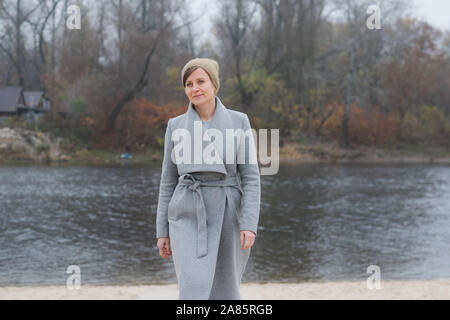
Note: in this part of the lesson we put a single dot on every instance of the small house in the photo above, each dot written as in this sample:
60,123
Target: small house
30,105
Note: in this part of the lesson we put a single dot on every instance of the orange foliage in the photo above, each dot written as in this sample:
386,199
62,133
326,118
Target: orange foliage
332,128
371,127
366,127
142,121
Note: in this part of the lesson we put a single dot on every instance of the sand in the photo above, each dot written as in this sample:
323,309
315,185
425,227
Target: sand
389,290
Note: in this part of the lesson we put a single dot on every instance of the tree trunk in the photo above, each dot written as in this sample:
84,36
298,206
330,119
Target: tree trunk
345,121
19,58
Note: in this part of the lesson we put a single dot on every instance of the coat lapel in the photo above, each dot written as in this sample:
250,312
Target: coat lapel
221,121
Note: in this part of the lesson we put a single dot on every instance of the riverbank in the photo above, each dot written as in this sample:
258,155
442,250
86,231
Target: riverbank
348,290
331,152
289,153
21,146
25,147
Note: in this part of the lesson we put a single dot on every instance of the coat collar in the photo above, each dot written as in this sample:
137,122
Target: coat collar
221,120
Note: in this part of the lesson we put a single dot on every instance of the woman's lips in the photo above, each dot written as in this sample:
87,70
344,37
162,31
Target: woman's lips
198,96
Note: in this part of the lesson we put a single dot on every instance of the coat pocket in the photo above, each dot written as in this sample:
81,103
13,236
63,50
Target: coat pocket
181,204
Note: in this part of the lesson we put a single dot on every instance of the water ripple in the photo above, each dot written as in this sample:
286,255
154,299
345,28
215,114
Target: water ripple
320,222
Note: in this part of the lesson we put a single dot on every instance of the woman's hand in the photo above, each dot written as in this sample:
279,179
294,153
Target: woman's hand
164,247
247,239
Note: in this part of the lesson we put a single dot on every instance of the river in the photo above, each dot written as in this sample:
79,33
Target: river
318,222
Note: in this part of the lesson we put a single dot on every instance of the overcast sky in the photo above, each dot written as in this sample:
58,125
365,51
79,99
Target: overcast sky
436,12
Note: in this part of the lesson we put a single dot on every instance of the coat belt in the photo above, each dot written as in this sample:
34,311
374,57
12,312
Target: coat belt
194,184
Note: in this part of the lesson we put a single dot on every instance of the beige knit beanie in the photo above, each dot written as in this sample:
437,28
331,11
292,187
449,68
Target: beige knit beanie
210,66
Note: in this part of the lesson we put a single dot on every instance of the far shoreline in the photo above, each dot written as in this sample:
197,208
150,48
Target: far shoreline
282,161
289,154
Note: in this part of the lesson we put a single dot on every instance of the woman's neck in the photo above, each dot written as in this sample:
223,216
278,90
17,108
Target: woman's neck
206,110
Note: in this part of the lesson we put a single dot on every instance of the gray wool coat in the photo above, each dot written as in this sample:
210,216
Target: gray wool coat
203,219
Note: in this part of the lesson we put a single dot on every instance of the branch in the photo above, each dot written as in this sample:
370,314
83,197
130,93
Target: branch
9,54
41,32
25,17
140,84
344,47
6,11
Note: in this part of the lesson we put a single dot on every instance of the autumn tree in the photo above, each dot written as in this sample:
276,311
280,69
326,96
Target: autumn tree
410,77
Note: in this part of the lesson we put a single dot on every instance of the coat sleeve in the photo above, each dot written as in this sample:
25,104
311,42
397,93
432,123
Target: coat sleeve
251,182
169,180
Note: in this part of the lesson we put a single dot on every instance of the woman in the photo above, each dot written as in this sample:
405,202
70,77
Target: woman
208,211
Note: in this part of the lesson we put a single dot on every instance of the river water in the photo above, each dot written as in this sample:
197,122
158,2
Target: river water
318,222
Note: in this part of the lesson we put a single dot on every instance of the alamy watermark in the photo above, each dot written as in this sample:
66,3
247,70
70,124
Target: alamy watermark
374,20
74,17
74,280
374,280
240,147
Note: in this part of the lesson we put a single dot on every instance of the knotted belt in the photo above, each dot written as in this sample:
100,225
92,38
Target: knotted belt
194,184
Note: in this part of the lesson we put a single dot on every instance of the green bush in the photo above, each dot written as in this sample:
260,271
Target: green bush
434,124
70,129
15,122
271,102
43,148
432,117
78,106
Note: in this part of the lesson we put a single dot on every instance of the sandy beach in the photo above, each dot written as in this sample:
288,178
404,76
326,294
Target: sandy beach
389,290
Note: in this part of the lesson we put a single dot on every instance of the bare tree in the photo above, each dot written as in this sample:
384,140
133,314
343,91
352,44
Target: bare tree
15,15
232,27
359,53
154,35
39,24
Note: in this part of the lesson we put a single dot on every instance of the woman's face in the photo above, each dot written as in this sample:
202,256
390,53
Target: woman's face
199,87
